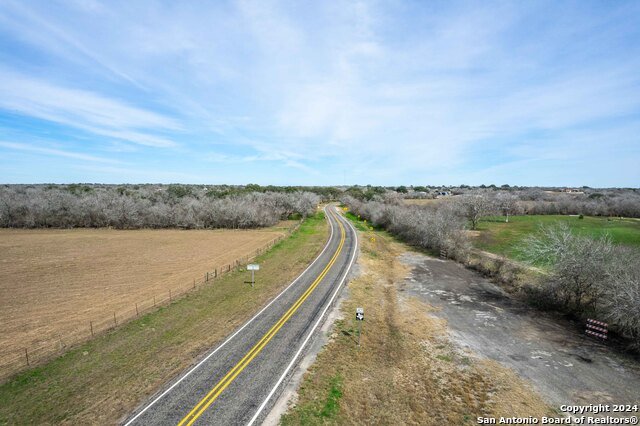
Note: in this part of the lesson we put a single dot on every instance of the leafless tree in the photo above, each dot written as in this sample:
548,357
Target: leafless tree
148,206
438,228
580,264
591,276
473,207
507,204
621,294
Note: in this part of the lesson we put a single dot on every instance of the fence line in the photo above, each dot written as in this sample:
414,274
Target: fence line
14,361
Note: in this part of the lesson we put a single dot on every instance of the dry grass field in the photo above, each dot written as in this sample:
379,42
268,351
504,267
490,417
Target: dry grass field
53,282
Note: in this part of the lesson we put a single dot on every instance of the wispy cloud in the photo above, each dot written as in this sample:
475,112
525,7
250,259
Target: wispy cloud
390,92
82,109
56,152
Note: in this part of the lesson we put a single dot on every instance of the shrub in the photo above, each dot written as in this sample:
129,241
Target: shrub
589,277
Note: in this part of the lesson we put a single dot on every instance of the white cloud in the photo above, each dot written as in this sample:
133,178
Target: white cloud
56,152
388,90
82,109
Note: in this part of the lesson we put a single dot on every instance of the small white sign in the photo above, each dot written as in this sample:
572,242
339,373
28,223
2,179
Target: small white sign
359,314
253,267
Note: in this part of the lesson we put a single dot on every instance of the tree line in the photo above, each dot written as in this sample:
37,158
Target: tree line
437,228
146,206
587,277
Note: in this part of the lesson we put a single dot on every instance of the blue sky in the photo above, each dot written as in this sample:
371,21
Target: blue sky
383,93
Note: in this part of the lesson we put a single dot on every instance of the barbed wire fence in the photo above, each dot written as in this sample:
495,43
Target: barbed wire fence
15,360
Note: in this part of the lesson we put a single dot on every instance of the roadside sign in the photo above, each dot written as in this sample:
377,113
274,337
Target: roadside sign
597,329
360,319
253,267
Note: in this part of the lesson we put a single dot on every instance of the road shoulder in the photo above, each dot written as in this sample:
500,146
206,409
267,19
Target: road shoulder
405,370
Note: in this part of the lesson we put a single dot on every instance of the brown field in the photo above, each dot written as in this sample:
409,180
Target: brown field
54,282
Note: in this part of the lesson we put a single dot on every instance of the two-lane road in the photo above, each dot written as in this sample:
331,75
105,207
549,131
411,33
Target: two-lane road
243,376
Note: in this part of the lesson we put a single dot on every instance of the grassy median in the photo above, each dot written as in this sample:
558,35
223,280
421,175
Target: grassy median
103,380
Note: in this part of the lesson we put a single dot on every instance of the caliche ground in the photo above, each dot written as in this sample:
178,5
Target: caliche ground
54,282
552,353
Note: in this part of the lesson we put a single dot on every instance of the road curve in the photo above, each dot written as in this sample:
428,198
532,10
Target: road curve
238,380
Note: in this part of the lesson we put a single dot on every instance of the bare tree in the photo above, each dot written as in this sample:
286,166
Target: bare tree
427,228
621,294
473,207
152,206
507,204
579,264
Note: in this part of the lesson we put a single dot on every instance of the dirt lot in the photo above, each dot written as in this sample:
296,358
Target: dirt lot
53,282
552,353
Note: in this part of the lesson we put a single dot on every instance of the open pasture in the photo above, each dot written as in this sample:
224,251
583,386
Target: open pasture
497,236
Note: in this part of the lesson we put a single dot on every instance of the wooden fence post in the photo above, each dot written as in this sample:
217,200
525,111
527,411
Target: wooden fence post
207,280
91,327
137,314
115,321
170,296
194,283
26,354
215,273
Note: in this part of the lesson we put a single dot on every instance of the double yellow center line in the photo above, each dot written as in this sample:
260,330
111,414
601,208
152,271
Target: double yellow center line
205,402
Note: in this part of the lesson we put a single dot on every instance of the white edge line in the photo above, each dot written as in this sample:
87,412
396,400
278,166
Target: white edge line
306,340
234,334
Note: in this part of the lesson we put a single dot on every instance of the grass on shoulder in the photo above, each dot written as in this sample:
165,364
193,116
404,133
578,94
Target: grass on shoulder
497,236
405,370
103,380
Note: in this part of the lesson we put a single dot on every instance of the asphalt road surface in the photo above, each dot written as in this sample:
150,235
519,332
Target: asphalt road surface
236,383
